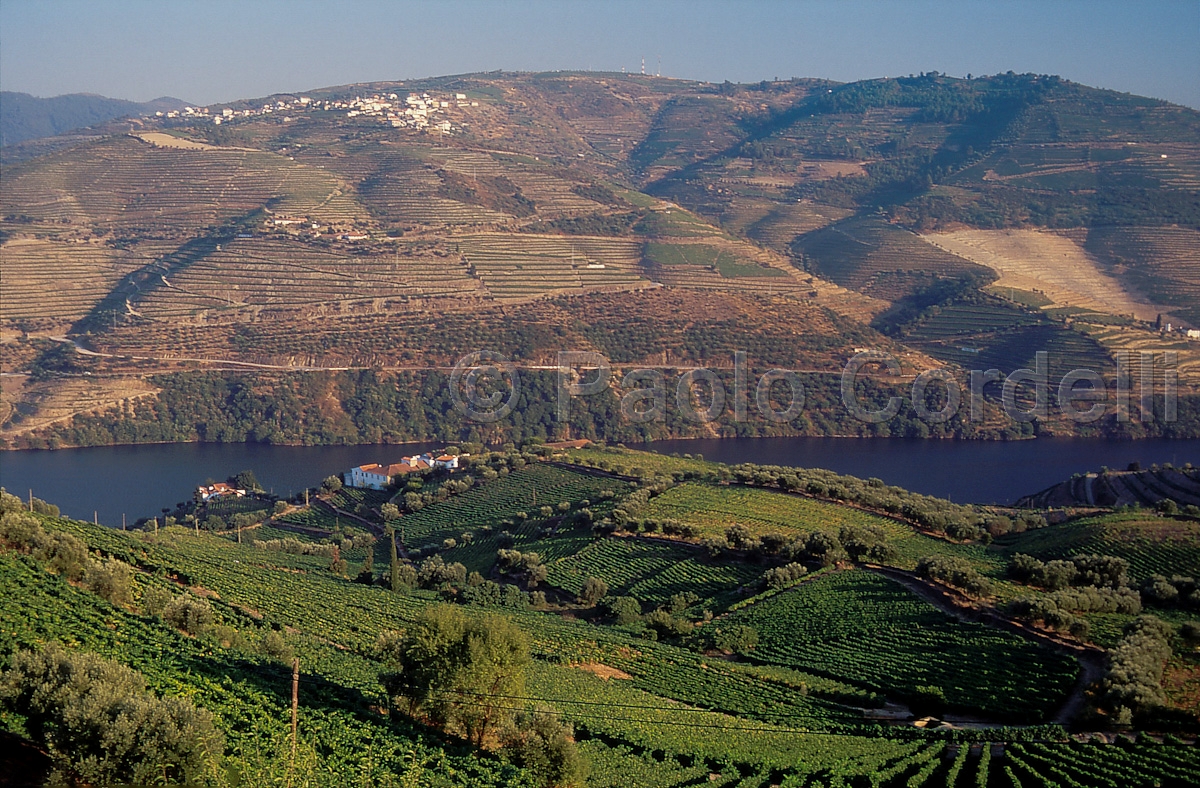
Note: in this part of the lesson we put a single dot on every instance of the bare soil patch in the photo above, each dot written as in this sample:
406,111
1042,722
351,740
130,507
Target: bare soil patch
605,672
1048,263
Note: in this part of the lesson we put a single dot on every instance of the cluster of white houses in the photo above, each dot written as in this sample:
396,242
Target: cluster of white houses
378,477
415,111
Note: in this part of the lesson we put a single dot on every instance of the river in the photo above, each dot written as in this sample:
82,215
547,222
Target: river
138,481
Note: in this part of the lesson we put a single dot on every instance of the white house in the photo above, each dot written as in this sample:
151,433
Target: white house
1193,333
445,461
372,476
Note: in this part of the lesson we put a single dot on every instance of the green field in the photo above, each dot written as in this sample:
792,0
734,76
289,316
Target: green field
1152,545
862,628
652,570
712,509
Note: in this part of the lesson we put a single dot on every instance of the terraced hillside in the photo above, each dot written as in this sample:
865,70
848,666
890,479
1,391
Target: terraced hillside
521,266
123,182
59,282
1122,488
1163,262
879,260
265,273
242,242
1046,263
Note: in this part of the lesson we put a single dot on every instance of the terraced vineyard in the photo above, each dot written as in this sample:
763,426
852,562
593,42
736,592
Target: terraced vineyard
257,273
45,279
145,185
879,260
1152,545
1101,766
524,490
519,266
864,629
713,509
653,570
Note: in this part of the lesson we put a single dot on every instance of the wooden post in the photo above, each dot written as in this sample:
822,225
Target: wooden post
239,534
31,500
122,521
306,496
95,517
295,703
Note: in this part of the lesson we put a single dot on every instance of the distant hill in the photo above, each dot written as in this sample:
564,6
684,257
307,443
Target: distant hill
964,223
25,117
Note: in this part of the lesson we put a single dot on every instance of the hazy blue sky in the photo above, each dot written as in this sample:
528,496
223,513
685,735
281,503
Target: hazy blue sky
209,51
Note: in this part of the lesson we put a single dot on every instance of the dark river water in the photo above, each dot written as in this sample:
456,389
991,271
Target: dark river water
138,481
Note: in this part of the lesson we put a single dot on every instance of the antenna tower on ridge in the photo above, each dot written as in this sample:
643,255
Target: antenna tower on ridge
643,65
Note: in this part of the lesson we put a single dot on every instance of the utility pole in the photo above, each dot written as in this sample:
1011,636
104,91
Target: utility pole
643,65
31,500
122,521
95,517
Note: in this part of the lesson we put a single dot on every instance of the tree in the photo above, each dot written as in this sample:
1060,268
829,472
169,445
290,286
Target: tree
246,480
390,511
337,564
188,613
594,589
459,673
331,484
102,726
625,609
543,745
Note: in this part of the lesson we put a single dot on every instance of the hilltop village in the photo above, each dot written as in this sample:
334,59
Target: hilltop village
417,111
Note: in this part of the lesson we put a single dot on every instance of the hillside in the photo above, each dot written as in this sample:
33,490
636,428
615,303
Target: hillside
25,117
874,214
1132,487
674,656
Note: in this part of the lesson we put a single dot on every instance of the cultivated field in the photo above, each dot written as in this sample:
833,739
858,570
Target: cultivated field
58,281
1047,263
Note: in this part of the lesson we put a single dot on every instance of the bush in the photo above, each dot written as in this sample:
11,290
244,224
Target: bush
188,613
624,609
109,580
783,576
955,572
275,647
594,589
100,724
155,600
544,746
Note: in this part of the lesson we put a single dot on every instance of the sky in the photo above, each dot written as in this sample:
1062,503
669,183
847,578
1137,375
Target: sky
212,51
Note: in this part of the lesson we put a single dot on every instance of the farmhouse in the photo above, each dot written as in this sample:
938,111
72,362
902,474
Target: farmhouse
219,490
372,476
377,477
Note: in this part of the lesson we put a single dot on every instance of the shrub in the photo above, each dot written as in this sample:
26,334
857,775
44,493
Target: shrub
155,600
594,589
109,580
188,613
100,723
783,576
624,609
275,647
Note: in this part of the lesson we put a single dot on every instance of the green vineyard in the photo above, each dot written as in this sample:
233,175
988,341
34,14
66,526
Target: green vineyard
1151,545
860,628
